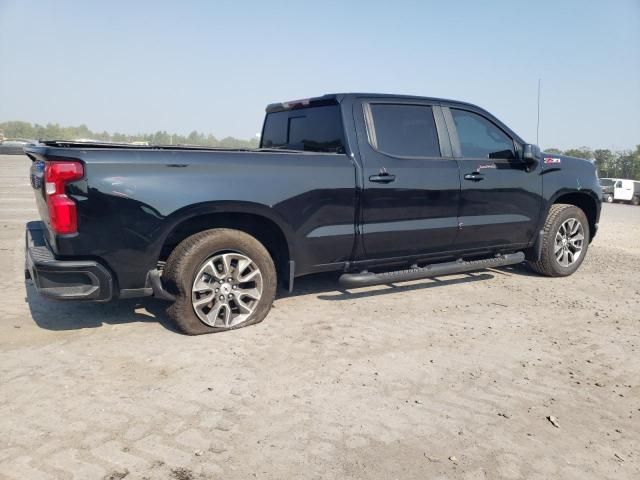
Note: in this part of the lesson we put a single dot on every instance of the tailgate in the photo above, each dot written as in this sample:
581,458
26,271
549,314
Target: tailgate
36,178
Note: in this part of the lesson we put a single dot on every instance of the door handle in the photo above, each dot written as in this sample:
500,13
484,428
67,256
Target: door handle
474,177
382,178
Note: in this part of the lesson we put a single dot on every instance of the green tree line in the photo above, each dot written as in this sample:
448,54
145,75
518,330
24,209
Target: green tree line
616,164
53,131
619,163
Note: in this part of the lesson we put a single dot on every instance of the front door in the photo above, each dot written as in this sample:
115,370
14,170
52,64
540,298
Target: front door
500,196
411,182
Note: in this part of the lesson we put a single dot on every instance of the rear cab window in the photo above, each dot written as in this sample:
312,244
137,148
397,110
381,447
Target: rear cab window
310,129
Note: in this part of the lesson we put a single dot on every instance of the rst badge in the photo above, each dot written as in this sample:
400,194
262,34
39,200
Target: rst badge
552,160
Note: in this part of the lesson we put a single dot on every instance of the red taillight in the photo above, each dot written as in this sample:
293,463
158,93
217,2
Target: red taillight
62,210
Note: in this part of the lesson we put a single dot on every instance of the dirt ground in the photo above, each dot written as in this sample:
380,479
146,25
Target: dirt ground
448,379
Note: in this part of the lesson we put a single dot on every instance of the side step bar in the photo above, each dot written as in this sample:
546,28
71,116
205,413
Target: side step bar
367,279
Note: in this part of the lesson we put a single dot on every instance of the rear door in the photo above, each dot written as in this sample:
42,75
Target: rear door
411,182
500,196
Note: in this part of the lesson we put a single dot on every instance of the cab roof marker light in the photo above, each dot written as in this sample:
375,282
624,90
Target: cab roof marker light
305,102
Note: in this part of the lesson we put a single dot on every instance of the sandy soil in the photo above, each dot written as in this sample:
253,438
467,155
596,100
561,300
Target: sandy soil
454,378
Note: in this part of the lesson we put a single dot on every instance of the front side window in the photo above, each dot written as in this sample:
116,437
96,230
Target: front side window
479,138
404,130
313,129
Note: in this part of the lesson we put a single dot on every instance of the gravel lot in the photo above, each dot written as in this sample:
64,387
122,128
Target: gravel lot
452,378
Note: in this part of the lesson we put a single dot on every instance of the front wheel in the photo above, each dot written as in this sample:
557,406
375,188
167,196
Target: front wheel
608,199
223,279
565,241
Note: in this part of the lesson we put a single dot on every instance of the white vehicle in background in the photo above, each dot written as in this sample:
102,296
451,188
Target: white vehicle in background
621,190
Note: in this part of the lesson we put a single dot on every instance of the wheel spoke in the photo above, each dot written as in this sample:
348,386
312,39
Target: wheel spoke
577,237
574,228
249,292
563,259
243,307
249,276
226,261
213,314
204,300
208,269
570,255
226,316
201,285
243,263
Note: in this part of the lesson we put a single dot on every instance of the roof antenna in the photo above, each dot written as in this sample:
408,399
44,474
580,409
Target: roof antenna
538,124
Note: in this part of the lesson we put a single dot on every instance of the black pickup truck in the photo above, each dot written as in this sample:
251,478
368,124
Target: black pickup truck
384,188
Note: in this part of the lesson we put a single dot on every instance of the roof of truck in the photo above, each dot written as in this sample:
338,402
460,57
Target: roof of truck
335,98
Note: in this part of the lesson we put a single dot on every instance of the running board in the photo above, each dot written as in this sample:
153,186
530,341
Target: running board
367,279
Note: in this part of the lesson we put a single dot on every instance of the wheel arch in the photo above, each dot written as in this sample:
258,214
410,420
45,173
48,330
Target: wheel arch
258,221
585,201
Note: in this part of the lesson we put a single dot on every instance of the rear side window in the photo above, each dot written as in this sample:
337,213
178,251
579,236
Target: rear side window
404,130
313,129
479,138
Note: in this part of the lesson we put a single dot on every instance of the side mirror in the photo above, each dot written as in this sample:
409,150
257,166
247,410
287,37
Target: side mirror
530,154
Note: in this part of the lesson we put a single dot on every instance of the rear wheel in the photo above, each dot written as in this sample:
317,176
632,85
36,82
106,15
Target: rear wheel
635,200
565,241
223,279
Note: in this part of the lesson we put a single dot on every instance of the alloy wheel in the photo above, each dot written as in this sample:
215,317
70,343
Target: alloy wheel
226,289
569,242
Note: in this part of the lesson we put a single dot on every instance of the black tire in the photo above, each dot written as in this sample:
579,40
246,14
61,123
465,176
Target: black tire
548,264
635,200
185,260
608,199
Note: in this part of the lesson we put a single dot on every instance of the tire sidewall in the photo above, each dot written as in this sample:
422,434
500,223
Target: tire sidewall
572,212
218,242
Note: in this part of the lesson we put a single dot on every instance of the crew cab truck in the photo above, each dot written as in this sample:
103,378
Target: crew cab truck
383,188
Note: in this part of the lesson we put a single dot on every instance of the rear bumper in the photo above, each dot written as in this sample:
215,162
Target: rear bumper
64,279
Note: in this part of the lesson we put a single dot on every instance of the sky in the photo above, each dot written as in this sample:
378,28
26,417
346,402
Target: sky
213,66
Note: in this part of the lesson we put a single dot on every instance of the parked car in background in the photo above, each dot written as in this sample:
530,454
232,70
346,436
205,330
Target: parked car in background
620,190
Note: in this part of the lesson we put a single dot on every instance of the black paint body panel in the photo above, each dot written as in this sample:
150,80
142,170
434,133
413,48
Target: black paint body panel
131,199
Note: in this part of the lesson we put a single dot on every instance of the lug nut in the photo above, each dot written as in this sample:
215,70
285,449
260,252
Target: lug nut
222,298
234,287
230,280
231,295
217,290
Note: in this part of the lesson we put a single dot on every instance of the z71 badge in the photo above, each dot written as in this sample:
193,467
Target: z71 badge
552,160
